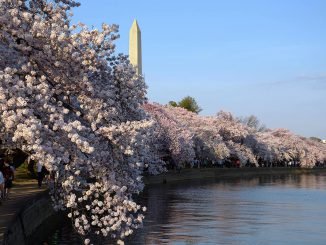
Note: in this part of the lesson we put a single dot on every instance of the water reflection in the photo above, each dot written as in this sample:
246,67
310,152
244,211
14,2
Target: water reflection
263,210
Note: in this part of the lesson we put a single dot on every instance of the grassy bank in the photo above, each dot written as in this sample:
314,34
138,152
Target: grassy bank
22,174
204,173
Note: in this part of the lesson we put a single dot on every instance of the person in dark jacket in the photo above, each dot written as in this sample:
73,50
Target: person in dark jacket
8,174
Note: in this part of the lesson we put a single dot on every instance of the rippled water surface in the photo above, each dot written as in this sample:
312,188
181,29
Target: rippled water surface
264,210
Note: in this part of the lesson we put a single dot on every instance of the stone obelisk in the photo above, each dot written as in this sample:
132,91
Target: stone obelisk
135,47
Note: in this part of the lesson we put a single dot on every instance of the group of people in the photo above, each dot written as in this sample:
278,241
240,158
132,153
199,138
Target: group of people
7,174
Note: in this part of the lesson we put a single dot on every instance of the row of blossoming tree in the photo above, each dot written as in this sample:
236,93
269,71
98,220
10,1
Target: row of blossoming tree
188,137
73,105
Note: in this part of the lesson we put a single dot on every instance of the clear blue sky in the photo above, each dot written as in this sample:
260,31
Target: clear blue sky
266,58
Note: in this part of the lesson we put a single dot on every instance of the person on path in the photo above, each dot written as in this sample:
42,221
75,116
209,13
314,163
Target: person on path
2,185
46,174
9,177
40,174
30,167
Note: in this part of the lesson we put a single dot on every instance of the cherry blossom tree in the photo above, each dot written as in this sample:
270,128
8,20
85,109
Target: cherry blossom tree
234,134
280,145
294,147
207,143
74,106
175,139
230,128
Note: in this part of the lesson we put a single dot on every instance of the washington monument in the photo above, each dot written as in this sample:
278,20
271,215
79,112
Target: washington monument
135,47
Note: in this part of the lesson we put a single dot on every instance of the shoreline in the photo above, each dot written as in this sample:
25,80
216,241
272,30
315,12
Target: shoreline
41,201
210,173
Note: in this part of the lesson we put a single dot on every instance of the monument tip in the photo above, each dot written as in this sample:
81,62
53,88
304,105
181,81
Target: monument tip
135,24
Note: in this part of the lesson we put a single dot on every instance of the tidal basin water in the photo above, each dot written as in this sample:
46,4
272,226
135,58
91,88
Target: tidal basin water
288,209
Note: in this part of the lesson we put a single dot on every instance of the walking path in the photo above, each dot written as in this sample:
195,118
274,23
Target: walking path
19,197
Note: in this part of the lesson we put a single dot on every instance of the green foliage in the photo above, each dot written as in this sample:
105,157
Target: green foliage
173,103
22,173
188,103
315,139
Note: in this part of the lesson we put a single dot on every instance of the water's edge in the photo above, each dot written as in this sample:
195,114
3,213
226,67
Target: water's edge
204,173
28,224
